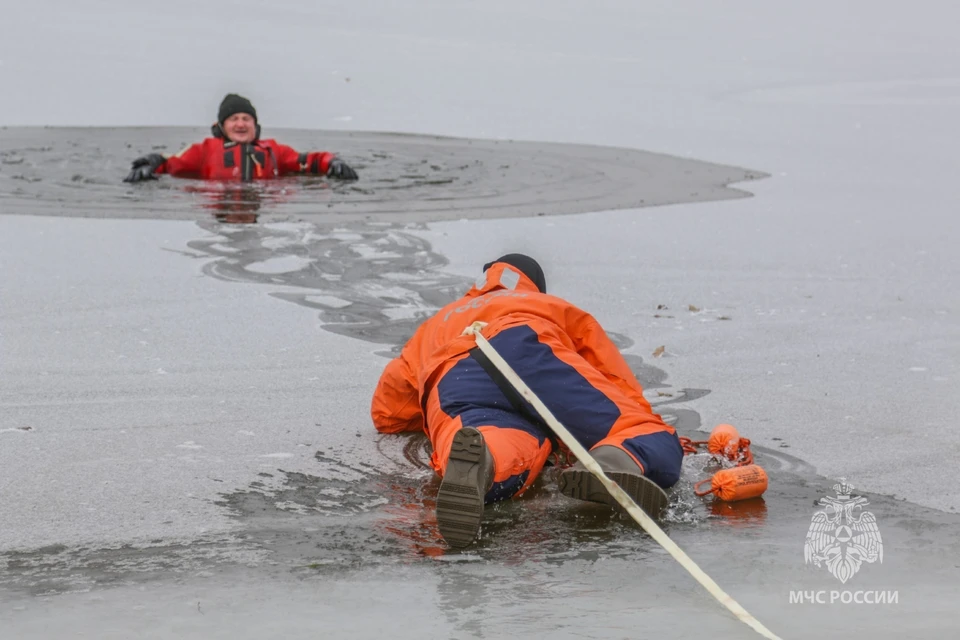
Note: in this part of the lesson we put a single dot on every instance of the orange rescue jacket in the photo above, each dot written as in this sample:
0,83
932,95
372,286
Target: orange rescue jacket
502,297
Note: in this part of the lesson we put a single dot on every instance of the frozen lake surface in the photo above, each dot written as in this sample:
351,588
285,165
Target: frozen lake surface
185,449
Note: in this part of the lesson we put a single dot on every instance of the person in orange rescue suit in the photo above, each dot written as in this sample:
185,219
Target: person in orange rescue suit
236,152
488,442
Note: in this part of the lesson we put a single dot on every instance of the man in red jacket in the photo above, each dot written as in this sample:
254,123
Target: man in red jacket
236,152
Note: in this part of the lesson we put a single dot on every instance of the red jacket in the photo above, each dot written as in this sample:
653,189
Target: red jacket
220,159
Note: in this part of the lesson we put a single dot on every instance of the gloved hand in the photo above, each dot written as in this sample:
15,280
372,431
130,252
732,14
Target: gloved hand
143,168
340,169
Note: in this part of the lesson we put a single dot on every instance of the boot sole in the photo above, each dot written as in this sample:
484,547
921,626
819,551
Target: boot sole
460,498
583,485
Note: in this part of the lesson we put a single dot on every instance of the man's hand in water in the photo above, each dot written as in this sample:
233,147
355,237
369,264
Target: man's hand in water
143,168
340,169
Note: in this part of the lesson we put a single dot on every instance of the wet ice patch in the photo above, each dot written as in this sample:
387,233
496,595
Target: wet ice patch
329,301
403,313
277,455
385,292
284,264
224,248
278,242
292,507
400,277
189,444
288,227
368,252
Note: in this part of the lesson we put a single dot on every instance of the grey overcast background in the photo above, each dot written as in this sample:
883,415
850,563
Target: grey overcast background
139,385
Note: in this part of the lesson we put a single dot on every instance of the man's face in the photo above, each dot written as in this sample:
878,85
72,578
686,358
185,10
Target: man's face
240,127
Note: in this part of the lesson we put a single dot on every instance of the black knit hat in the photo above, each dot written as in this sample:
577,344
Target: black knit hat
232,104
527,266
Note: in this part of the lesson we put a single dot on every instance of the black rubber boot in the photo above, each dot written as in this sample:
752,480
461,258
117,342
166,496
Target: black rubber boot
468,477
577,482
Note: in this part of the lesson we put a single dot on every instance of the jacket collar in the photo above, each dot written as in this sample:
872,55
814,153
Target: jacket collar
501,276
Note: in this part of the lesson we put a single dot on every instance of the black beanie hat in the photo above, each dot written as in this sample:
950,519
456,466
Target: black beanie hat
527,266
232,104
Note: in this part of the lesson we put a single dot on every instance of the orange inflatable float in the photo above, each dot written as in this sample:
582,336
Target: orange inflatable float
744,481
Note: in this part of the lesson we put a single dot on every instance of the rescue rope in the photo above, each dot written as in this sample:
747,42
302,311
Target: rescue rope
644,520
